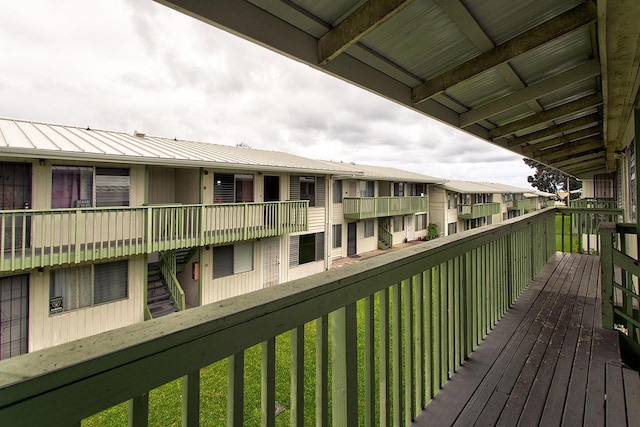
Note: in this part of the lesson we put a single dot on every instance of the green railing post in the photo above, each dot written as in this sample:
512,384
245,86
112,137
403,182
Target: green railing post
607,229
344,384
191,399
139,411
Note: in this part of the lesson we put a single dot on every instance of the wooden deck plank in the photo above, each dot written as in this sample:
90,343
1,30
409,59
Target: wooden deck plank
555,366
577,387
632,395
457,392
535,376
522,338
558,389
615,402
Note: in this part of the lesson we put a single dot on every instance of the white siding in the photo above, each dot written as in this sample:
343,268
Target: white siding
48,330
305,270
316,219
229,286
190,286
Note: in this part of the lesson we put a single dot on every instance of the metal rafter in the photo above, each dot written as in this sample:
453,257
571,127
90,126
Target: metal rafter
578,73
544,33
566,144
357,25
548,115
555,130
540,148
595,158
575,149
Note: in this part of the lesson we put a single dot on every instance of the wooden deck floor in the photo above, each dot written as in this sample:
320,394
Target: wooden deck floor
547,362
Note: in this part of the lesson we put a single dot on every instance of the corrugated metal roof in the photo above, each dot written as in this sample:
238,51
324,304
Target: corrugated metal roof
502,20
552,58
470,187
427,32
385,173
481,89
20,138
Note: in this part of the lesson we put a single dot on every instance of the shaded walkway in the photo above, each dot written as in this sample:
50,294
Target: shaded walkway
547,362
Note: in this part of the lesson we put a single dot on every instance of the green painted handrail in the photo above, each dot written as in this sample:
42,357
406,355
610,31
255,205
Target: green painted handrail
478,210
45,238
168,269
435,303
377,207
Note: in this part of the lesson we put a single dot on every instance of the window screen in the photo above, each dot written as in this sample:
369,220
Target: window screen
112,187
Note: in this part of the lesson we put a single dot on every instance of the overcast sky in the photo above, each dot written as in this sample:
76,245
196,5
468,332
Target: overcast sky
136,65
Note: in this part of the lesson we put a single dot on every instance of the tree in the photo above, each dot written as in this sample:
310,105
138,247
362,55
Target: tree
549,179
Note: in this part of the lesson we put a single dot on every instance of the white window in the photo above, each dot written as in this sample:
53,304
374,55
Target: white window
452,228
421,222
73,187
306,248
76,287
337,191
368,228
232,259
232,188
398,223
309,188
337,236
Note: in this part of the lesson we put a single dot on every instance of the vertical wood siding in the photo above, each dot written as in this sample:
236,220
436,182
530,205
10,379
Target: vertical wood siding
48,330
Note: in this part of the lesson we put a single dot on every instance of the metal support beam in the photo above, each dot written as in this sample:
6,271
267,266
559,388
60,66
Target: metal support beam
357,25
548,115
555,130
587,159
539,148
544,33
568,151
584,71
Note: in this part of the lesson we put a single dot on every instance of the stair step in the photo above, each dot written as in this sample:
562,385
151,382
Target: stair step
159,305
165,296
155,284
164,312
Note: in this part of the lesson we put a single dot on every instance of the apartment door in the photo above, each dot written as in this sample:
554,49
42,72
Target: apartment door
15,185
351,238
14,315
411,234
270,261
271,188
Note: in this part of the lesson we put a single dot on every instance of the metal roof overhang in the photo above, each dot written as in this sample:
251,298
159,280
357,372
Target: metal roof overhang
552,80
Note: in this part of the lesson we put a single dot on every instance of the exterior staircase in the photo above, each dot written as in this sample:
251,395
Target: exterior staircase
385,238
159,299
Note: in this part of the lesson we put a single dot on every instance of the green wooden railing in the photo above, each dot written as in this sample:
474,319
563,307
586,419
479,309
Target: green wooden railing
376,207
388,332
45,238
594,204
478,210
577,228
168,270
620,273
527,205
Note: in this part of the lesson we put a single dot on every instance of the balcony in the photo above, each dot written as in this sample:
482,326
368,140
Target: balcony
44,238
377,207
526,205
401,325
478,210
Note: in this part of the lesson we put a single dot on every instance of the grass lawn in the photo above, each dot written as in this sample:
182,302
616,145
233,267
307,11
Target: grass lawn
570,243
165,402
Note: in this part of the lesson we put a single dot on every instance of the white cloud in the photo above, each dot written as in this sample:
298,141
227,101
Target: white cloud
128,66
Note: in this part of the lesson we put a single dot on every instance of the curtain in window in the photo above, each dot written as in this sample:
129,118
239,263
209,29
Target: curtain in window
70,185
74,285
244,188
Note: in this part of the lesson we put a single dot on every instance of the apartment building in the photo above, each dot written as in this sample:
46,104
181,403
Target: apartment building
105,229
378,209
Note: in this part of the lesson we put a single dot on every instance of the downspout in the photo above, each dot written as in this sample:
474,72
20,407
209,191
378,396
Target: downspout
328,241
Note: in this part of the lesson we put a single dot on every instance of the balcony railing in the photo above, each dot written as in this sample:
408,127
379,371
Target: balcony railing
400,324
526,205
377,207
594,204
577,228
478,210
44,238
620,274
